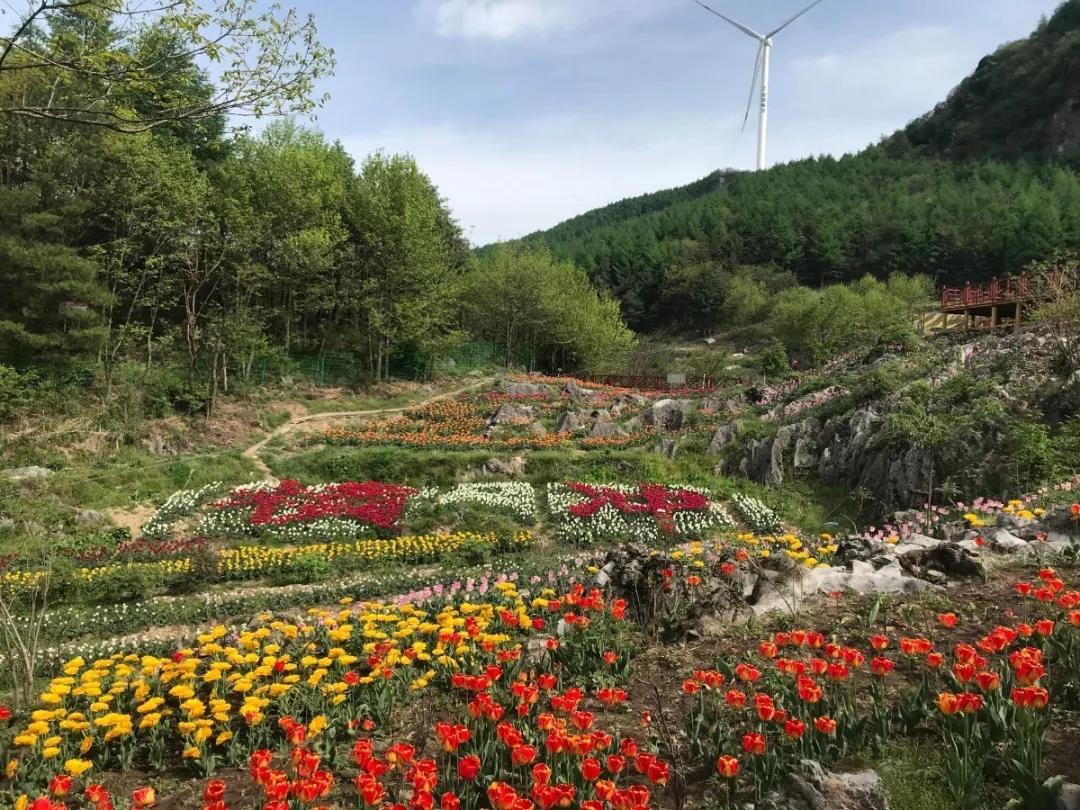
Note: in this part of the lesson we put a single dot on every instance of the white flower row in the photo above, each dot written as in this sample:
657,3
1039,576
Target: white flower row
517,497
759,517
180,504
236,523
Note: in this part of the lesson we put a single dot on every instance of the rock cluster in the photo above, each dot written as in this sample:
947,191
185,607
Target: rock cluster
813,787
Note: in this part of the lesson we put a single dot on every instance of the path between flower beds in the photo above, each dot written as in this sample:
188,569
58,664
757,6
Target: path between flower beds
253,451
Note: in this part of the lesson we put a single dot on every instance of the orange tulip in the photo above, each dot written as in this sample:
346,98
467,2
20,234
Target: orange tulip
727,766
144,797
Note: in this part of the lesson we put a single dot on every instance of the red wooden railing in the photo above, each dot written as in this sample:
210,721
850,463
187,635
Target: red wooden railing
996,291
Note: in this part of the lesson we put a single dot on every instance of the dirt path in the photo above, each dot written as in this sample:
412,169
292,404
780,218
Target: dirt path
297,421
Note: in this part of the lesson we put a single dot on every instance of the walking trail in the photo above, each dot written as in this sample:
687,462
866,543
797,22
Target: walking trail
297,421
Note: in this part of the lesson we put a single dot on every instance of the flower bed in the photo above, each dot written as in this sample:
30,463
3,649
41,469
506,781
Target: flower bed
448,425
587,514
290,511
309,687
759,517
791,546
253,562
805,695
309,561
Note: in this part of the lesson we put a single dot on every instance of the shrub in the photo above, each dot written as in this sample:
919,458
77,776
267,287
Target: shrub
16,391
306,569
774,360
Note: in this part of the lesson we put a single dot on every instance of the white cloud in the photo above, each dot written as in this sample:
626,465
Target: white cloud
500,19
505,183
914,65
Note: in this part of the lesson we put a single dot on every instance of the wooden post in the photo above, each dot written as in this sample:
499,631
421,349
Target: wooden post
944,321
1016,322
993,317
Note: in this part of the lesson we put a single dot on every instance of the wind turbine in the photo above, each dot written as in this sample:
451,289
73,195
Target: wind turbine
761,64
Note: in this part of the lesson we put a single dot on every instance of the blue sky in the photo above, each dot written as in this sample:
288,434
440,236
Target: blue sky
527,112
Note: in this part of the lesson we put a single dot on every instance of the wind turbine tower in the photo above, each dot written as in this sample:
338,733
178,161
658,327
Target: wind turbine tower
761,67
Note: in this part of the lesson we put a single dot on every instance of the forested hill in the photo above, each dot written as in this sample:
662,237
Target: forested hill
939,198
1023,100
613,214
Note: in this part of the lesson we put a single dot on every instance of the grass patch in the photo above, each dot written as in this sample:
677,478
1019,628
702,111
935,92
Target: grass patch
909,771
362,403
272,418
131,476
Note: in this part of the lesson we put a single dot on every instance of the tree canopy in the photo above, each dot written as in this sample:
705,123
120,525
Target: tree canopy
130,66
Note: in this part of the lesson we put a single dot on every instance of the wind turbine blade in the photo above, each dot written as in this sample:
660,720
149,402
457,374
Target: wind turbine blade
753,88
788,22
748,31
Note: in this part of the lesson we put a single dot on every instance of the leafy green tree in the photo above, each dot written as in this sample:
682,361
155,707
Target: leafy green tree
286,196
543,312
405,292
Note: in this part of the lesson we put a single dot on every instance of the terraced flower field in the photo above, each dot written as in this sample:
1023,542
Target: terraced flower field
513,644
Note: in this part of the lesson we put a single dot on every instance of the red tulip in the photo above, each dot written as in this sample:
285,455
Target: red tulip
214,791
825,725
948,703
522,754
947,619
969,702
469,767
754,744
590,768
881,666
1030,697
747,673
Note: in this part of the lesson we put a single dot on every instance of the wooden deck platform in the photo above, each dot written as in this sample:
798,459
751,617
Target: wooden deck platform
1000,300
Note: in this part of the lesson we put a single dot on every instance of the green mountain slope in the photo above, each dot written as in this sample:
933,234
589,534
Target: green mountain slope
1023,100
908,204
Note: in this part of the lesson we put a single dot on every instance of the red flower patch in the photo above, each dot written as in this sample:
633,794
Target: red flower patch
369,502
647,499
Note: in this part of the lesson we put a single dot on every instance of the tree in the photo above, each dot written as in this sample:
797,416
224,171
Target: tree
132,66
51,295
543,312
404,293
1055,287
287,192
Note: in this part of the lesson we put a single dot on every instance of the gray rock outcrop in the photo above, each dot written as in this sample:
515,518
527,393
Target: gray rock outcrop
813,787
668,414
32,473
521,389
604,429
567,422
